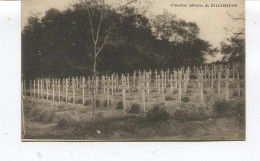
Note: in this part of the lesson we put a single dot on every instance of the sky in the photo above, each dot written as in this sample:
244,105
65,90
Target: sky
211,20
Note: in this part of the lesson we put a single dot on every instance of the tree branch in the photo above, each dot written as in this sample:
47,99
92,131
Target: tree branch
91,26
100,21
104,41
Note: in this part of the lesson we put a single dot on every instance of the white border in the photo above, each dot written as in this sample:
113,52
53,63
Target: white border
12,149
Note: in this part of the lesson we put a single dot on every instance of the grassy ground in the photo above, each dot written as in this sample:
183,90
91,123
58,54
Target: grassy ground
169,121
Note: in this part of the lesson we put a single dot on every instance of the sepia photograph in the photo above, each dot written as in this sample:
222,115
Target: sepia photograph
132,70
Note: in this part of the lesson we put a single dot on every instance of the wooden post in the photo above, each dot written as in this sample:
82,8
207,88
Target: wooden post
66,90
156,80
42,86
34,88
30,88
179,82
171,84
38,89
47,88
148,88
59,88
83,90
73,90
159,83
53,90
219,78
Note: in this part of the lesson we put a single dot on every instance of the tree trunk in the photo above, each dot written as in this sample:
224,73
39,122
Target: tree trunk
93,88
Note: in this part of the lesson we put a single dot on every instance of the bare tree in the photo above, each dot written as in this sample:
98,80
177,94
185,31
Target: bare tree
98,44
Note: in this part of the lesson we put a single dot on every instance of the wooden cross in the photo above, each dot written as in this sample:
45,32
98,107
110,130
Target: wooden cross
47,88
142,87
34,85
58,86
201,80
108,86
89,85
171,83
42,86
77,84
38,89
175,73
30,88
53,90
124,87
66,89
179,82
159,83
83,90
73,85
156,83
227,80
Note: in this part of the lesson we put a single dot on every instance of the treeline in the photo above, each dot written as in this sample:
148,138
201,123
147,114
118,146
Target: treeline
60,43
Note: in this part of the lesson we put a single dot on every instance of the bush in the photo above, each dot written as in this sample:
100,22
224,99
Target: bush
79,101
88,102
175,91
182,115
185,99
120,105
135,108
157,115
46,116
100,115
65,123
221,108
169,98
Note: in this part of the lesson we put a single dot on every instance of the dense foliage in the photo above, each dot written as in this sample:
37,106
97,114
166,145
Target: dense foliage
60,43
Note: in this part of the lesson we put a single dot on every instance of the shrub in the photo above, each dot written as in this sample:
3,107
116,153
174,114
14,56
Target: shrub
79,101
185,99
120,105
65,123
175,91
157,115
180,115
221,108
169,98
235,93
188,91
135,108
88,102
99,115
46,116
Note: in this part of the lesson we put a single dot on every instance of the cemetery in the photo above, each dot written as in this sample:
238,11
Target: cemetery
149,104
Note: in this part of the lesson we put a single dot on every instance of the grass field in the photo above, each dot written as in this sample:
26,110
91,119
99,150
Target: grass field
166,121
